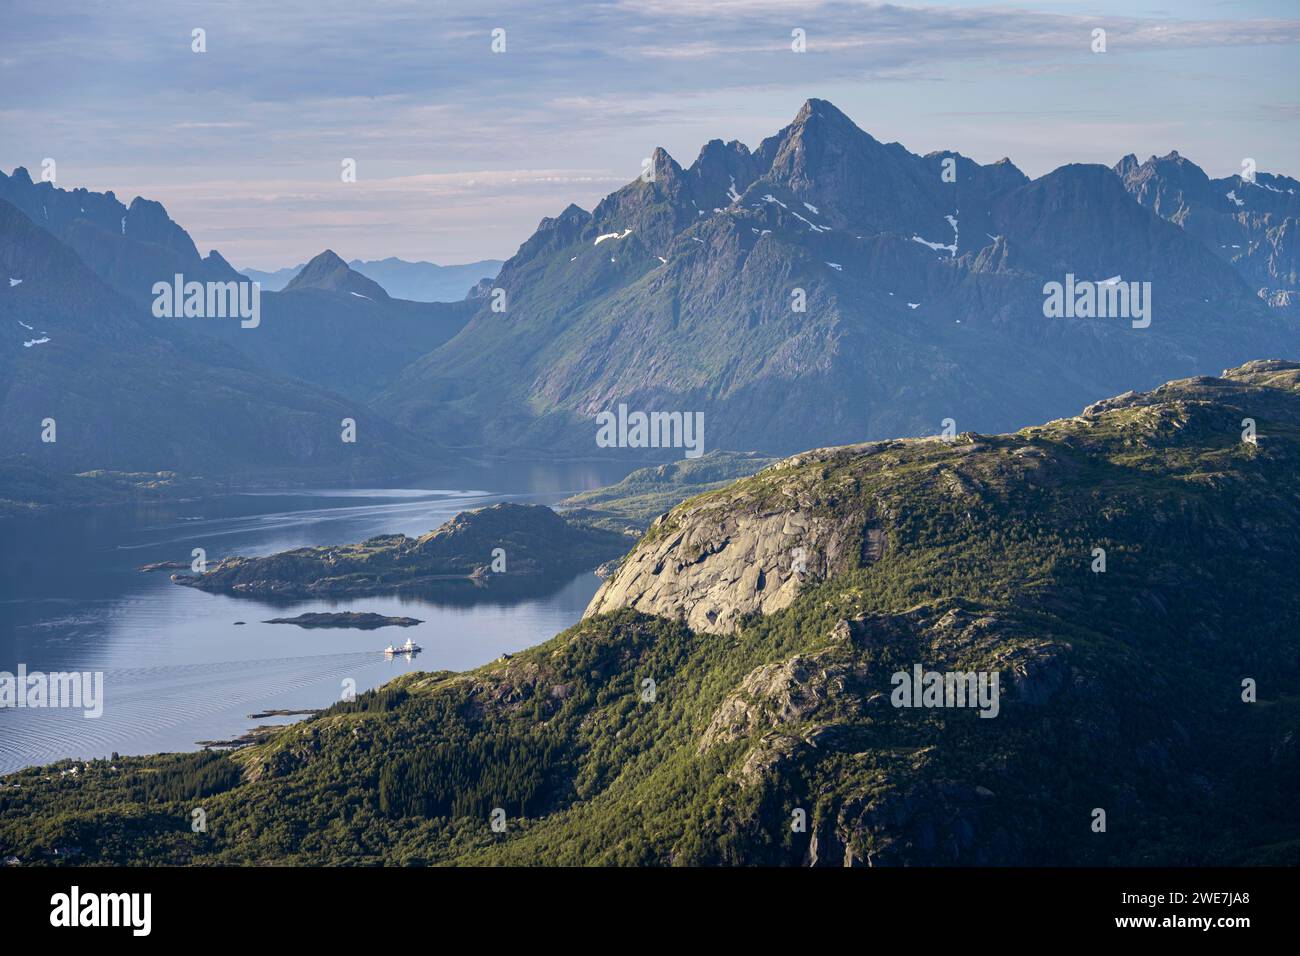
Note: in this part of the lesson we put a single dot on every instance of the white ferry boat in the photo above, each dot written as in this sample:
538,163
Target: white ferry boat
410,647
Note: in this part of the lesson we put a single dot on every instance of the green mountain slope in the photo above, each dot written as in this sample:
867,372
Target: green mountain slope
647,493
1121,691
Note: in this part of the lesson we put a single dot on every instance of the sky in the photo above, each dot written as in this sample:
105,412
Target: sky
460,151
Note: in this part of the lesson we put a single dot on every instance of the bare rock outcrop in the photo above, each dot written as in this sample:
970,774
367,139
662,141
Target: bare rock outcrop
709,563
774,695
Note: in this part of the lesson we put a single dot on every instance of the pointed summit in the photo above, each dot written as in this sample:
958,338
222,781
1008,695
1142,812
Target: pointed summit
330,273
821,109
219,266
1126,165
665,167
819,134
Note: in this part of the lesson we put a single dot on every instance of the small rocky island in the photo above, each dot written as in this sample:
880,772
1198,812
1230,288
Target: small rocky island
501,541
361,620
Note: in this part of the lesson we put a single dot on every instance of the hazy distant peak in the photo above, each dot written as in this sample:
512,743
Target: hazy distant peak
329,272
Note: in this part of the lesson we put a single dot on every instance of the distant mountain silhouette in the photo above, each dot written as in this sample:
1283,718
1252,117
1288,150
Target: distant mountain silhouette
133,392
332,327
336,328
330,273
417,281
129,247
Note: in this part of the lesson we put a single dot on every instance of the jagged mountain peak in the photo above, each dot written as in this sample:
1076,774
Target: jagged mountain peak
676,292
814,109
1172,163
664,163
1126,165
572,213
1249,223
130,247
217,259
329,272
817,128
716,149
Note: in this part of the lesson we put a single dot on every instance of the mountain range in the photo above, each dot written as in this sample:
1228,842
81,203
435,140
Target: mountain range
416,281
129,391
822,288
922,280
1249,222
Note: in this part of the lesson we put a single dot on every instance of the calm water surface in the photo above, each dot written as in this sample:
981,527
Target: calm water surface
178,669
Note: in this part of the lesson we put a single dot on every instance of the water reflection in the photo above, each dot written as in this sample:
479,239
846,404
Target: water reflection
182,665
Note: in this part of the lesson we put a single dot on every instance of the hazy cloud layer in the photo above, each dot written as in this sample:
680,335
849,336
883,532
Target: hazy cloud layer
461,151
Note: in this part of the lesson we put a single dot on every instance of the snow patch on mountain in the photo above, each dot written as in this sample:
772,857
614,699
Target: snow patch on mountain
809,223
935,245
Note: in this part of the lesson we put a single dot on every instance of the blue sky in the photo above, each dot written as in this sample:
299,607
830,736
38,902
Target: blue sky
461,151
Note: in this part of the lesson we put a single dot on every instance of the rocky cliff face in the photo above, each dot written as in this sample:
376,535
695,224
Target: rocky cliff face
720,557
1252,223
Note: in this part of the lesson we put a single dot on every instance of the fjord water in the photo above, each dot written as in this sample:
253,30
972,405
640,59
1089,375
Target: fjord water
178,669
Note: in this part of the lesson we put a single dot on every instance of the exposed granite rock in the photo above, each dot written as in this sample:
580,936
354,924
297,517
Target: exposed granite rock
711,561
774,695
